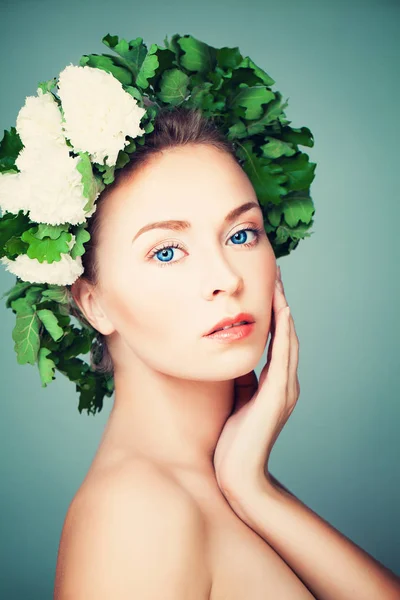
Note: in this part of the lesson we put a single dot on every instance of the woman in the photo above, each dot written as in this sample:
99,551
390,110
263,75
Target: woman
166,511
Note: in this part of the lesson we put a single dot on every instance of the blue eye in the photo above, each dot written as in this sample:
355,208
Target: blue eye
166,250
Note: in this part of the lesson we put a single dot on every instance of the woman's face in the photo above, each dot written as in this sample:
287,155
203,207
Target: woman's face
160,300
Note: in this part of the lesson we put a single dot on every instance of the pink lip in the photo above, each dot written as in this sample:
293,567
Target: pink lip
237,332
230,320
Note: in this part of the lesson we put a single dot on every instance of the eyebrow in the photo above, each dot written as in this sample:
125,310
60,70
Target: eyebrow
176,225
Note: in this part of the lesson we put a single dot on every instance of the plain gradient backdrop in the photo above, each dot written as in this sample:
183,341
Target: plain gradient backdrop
338,65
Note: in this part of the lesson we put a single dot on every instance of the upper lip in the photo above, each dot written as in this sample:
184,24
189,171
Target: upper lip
230,320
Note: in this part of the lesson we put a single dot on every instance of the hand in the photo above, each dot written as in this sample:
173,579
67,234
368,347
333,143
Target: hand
261,410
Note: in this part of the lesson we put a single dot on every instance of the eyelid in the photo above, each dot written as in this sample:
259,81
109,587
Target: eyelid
242,226
258,230
250,224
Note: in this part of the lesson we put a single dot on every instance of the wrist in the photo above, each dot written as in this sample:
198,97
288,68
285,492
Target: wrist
247,504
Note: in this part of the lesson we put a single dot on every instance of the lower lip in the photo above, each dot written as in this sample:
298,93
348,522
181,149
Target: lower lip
238,332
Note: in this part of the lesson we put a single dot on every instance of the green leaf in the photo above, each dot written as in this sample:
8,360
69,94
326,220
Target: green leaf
46,249
202,97
14,246
50,322
131,147
134,92
26,332
275,148
91,393
266,177
252,99
7,165
74,368
33,294
106,63
272,113
11,145
122,159
47,86
57,293
46,367
134,52
16,291
80,343
298,207
247,63
284,232
274,215
228,58
107,172
148,68
197,56
12,225
237,130
173,45
299,171
51,231
92,185
302,136
173,87
81,237
135,57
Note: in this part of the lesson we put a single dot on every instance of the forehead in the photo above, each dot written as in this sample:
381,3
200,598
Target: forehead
185,182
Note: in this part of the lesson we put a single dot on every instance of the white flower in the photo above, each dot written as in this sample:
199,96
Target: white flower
13,193
62,272
53,184
98,112
39,120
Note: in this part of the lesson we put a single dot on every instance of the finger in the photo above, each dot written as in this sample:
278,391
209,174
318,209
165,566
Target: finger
277,368
281,351
279,299
293,384
278,302
271,341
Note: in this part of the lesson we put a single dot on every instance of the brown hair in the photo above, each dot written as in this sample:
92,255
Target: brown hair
172,127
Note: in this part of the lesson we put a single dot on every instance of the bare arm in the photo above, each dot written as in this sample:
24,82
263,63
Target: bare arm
331,565
131,537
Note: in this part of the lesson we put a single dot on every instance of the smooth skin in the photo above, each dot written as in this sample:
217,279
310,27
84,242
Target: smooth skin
132,534
261,410
331,565
174,388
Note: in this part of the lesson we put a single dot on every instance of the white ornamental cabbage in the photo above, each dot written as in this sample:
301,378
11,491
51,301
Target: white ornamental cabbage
98,112
13,193
53,184
62,272
40,120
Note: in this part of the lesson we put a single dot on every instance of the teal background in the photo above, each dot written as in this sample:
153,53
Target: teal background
338,65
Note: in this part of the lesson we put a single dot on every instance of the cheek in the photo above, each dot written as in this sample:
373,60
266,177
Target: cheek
264,270
147,306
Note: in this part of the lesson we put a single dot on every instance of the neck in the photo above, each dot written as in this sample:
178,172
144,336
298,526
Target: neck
174,422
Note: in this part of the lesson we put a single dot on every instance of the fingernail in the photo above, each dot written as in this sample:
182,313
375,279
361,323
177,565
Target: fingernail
279,273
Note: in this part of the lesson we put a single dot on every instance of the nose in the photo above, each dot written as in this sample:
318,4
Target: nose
220,276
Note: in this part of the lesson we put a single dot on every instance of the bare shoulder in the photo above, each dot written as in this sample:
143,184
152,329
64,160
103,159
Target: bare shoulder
132,532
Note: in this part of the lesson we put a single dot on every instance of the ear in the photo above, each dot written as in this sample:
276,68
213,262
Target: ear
87,299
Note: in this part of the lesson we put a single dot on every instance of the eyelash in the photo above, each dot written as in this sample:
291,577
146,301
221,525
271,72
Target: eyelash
256,230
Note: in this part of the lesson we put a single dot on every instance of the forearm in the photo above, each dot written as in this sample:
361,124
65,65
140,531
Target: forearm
328,563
